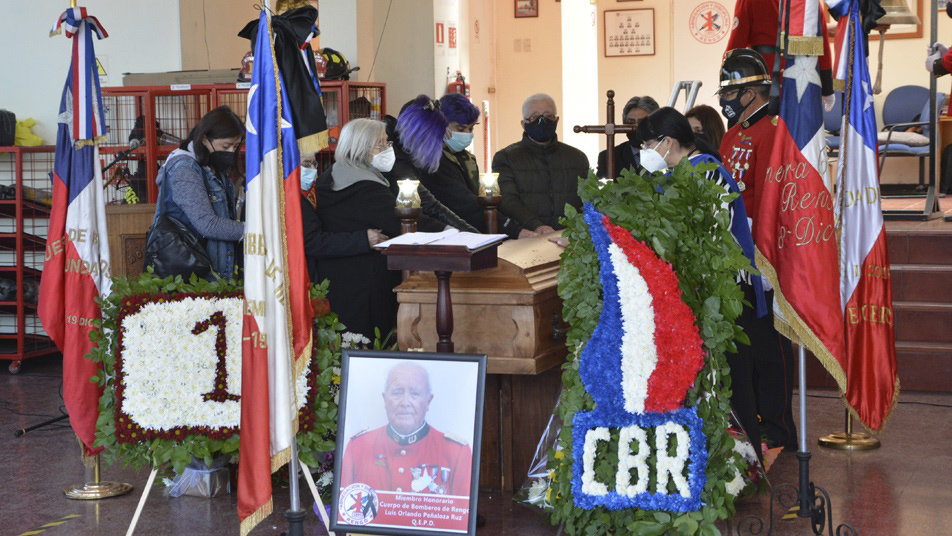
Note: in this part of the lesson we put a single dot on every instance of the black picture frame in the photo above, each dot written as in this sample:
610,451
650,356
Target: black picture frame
382,363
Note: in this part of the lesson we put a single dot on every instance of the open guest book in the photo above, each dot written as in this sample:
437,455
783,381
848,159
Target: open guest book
451,237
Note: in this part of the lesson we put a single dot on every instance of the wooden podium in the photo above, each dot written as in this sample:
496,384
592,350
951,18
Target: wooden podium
511,311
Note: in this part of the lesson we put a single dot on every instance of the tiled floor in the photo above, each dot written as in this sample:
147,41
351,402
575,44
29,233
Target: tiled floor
903,488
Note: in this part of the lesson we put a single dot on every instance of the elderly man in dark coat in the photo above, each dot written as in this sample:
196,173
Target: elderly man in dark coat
539,175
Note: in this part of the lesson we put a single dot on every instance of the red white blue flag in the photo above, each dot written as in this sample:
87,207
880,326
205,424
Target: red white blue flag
278,317
795,226
872,385
76,269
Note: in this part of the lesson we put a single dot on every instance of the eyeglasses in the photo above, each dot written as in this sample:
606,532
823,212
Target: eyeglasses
535,117
644,145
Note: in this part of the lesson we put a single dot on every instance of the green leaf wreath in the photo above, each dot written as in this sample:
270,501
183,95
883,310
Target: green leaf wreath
313,444
681,226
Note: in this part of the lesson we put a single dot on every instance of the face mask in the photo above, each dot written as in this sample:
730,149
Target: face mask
732,109
458,141
652,160
308,176
541,130
383,162
221,161
633,139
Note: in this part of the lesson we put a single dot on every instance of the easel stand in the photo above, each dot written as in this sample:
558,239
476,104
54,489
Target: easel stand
812,502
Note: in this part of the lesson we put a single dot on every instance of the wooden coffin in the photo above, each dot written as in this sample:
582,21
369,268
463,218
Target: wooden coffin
511,312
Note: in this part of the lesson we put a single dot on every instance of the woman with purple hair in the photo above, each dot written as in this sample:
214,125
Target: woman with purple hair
455,181
417,136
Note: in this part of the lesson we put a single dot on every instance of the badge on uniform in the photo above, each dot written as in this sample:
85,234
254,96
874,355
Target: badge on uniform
741,186
421,479
380,460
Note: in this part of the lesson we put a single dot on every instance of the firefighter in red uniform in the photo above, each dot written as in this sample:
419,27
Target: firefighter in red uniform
755,26
762,373
408,455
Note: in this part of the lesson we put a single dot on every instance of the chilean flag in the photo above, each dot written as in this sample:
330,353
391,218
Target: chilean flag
872,385
278,315
795,226
76,269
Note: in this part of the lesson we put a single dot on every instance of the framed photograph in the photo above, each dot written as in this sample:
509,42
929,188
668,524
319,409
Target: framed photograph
526,8
629,32
409,429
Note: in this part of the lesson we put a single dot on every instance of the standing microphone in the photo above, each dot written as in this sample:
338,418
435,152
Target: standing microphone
135,144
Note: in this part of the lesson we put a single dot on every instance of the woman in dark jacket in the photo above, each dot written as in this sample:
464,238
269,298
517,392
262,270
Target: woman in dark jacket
195,188
353,198
417,137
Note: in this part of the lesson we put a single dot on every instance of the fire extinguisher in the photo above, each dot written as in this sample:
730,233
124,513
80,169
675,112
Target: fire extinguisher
459,85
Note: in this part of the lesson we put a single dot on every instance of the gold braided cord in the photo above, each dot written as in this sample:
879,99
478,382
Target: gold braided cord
79,144
259,515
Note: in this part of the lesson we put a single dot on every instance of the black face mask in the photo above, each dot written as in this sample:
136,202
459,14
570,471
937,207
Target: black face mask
733,109
634,140
541,130
222,161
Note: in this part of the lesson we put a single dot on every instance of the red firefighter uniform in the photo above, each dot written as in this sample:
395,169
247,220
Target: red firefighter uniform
755,25
428,461
746,150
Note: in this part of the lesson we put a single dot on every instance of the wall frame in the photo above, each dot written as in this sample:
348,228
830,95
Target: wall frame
629,32
526,8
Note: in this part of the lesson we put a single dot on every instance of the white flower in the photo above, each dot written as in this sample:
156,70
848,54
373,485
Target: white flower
672,466
589,485
638,351
353,340
747,453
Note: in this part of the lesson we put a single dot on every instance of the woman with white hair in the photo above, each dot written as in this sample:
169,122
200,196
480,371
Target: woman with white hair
355,209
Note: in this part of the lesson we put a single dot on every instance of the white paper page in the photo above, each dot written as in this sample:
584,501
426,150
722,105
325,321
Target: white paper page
416,239
470,240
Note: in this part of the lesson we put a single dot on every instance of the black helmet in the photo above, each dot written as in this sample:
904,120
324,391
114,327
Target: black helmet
743,67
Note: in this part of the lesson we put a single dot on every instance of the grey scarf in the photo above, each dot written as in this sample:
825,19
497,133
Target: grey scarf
346,175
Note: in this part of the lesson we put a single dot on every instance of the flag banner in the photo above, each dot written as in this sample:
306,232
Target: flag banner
278,317
872,384
76,268
795,226
292,32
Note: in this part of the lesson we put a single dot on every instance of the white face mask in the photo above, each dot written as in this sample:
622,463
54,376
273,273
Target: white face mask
652,160
383,161
308,176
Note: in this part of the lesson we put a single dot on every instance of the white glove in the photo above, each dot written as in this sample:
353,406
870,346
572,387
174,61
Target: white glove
936,51
829,101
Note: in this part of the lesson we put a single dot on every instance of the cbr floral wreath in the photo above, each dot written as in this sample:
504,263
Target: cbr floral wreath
135,424
671,214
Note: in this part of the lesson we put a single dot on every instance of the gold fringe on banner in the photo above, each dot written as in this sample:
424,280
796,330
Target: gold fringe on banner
258,516
804,45
801,332
797,331
313,143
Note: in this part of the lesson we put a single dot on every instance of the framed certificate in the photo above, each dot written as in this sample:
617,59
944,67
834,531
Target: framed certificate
629,32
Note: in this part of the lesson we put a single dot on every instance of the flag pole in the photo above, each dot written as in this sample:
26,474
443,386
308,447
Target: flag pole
295,515
97,489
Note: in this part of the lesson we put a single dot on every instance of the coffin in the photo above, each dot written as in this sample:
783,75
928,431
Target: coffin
511,312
